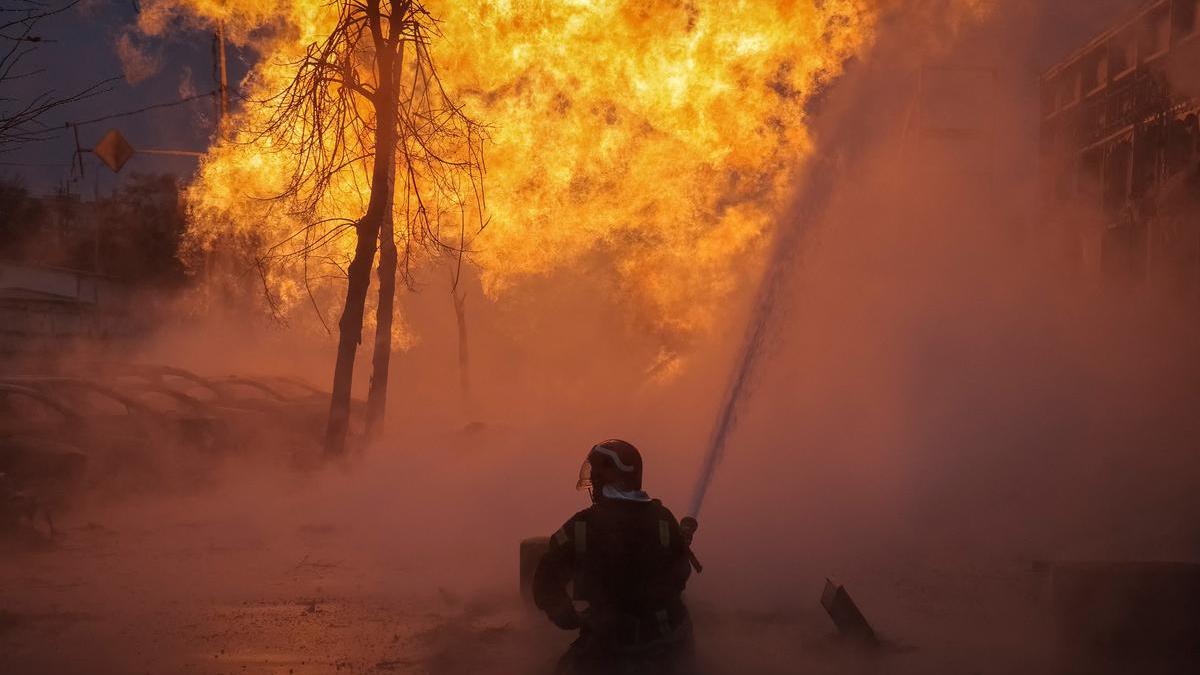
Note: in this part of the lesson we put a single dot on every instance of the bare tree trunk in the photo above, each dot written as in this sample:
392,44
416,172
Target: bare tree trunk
378,216
385,312
384,317
464,370
350,333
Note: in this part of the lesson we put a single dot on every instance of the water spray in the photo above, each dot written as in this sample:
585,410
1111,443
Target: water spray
810,202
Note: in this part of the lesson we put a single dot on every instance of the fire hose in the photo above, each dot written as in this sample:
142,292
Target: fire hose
812,198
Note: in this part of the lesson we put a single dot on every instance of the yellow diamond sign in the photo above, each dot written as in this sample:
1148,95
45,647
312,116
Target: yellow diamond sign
113,150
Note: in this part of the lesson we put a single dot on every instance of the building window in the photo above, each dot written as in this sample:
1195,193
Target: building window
1155,33
1122,54
1069,85
1187,18
1094,119
1095,71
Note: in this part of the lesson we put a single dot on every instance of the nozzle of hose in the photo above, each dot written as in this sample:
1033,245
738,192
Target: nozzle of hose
688,527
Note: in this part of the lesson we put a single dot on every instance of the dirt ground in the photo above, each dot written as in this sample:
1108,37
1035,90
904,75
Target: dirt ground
190,592
408,564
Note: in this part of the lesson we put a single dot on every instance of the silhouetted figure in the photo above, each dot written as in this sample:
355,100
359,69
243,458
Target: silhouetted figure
627,558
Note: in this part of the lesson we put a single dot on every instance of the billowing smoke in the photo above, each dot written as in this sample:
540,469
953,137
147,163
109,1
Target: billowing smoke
137,63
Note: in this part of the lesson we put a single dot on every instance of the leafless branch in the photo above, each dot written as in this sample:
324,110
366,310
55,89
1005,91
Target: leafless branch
324,119
23,122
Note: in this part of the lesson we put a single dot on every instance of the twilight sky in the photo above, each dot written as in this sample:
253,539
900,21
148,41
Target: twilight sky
81,48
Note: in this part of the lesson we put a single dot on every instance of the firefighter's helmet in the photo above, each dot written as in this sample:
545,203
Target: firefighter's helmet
613,462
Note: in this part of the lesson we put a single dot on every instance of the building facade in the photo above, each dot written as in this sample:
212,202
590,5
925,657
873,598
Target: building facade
46,311
1119,139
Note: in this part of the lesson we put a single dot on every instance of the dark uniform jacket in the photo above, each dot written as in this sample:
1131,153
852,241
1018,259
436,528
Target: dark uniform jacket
629,562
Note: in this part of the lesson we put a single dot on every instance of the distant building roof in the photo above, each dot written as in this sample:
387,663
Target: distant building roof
33,282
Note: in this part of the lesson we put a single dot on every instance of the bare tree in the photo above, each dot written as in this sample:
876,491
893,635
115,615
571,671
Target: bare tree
369,96
22,121
459,295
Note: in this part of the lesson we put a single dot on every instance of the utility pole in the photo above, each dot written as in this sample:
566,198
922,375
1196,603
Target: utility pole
222,77
222,82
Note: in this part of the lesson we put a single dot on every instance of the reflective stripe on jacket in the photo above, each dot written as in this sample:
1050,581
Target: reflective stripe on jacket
628,561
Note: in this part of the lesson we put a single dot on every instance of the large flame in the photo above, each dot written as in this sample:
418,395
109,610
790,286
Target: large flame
662,134
665,133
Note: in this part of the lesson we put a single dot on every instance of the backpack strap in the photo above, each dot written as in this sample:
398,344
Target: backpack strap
580,537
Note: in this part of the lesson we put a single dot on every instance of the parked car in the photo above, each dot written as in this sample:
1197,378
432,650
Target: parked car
132,445
41,471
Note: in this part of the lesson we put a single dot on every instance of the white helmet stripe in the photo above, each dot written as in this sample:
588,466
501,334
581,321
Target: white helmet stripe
616,460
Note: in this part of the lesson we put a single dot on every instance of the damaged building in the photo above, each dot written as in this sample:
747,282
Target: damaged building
1119,137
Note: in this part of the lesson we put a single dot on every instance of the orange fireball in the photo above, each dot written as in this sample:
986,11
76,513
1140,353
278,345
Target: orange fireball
663,134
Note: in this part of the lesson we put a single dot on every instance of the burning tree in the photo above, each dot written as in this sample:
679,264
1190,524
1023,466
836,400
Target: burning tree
650,145
366,107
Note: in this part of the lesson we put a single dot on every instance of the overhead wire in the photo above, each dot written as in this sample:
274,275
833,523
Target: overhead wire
156,106
74,126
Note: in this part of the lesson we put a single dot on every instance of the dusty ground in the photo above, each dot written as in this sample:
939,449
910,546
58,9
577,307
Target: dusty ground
193,596
410,566
171,588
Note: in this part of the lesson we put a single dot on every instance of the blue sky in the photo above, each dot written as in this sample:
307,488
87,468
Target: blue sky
80,50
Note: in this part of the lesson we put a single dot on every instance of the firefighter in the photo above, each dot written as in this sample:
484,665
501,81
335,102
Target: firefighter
628,560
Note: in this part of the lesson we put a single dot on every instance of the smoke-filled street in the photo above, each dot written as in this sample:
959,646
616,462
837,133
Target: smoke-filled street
601,337
205,587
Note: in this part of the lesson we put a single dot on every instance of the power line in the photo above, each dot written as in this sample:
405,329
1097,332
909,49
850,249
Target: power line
170,153
79,149
35,164
138,111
